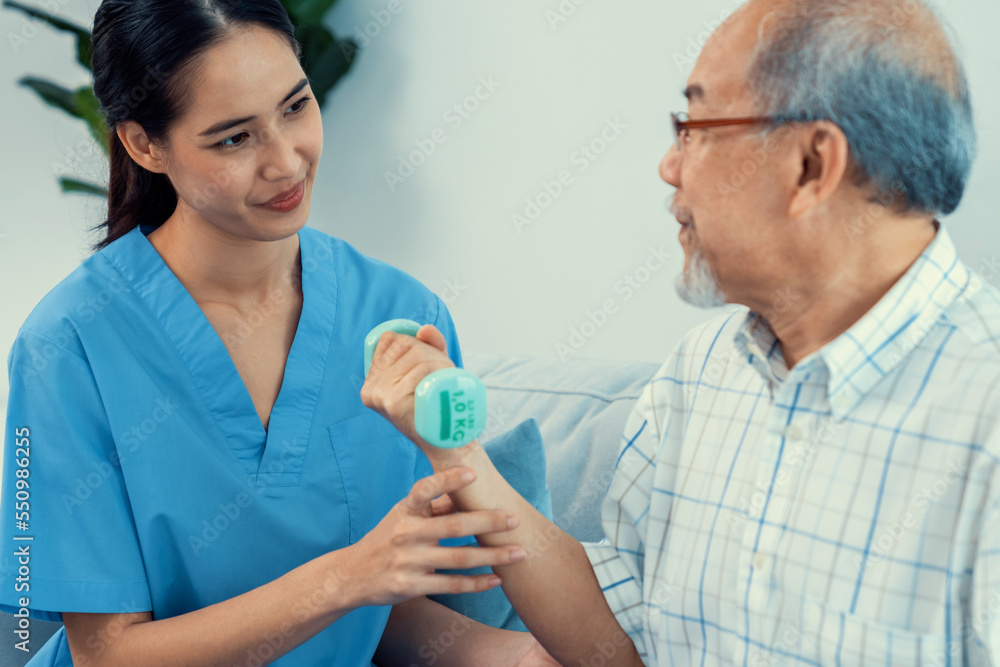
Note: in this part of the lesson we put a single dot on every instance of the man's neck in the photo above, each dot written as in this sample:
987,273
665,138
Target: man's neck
829,301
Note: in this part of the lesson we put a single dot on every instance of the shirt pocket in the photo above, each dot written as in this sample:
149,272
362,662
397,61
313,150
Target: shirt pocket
376,466
833,637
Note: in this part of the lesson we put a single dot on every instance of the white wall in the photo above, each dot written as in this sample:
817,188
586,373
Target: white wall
558,86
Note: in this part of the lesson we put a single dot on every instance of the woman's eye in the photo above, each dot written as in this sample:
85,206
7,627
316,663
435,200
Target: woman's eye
298,107
303,102
223,144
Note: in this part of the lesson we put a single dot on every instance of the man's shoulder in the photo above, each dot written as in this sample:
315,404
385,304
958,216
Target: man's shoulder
707,336
710,339
976,317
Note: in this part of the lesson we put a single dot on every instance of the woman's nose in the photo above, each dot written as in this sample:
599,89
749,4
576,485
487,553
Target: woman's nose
282,160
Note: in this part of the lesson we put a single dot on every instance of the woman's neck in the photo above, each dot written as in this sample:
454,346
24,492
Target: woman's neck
216,265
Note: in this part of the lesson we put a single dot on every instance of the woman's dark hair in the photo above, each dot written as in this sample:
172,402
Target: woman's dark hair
144,55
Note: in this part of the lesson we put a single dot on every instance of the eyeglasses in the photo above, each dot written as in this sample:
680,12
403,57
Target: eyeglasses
682,124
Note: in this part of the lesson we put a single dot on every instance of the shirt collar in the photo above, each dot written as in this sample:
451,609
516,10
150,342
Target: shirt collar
874,345
756,342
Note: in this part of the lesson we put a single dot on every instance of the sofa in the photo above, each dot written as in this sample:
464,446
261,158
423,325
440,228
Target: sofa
580,405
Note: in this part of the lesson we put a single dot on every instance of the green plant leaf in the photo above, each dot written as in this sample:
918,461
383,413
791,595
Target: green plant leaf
330,66
324,58
89,109
79,103
76,185
83,37
307,12
52,93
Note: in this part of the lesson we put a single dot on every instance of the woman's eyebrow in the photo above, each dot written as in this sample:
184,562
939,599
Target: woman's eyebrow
226,124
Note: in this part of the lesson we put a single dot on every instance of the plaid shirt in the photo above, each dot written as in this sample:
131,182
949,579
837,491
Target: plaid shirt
842,512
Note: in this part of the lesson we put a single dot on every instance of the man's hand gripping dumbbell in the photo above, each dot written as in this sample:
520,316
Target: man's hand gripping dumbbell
449,404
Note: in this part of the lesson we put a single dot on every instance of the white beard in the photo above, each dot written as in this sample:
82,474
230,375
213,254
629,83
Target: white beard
697,284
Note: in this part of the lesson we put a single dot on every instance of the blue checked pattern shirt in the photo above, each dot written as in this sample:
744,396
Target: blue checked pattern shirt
844,512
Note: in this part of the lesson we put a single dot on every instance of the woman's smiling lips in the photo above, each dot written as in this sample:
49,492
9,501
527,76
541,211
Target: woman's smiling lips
287,201
284,195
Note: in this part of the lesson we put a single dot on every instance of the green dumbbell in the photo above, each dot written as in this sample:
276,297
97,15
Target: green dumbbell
449,405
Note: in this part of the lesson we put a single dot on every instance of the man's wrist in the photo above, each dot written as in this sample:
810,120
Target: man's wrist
442,458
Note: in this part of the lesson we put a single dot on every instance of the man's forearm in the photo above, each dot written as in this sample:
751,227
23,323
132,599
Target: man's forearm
554,590
422,631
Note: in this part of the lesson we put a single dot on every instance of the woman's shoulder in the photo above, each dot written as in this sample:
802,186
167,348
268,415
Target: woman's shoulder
74,301
349,263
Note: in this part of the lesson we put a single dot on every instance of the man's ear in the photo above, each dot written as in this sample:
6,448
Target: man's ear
825,160
142,150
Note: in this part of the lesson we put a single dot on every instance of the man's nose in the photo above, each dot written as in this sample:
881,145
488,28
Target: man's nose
670,167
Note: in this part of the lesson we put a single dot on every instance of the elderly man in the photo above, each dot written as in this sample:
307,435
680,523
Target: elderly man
811,479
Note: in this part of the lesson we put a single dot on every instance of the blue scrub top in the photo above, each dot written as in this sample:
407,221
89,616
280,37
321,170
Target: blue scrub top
152,483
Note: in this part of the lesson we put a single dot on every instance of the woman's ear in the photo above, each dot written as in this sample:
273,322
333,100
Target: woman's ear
825,159
142,150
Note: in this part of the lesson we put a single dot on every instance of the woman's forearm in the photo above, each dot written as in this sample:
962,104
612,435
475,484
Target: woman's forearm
256,627
394,562
554,590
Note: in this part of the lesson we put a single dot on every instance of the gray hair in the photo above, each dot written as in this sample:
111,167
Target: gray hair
886,73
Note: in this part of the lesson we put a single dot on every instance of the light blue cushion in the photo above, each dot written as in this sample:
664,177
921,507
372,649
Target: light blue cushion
518,455
581,406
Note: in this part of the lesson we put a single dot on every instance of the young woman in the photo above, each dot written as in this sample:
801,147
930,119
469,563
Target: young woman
186,447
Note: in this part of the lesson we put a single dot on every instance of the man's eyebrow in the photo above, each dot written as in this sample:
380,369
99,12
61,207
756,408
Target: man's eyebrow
226,124
693,92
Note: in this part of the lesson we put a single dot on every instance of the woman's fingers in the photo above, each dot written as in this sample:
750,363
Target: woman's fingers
401,555
465,558
464,524
443,506
424,491
439,584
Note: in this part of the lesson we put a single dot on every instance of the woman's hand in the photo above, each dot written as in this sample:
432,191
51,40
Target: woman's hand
397,560
399,363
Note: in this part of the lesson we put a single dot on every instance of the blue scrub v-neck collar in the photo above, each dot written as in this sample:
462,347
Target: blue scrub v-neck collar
269,458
